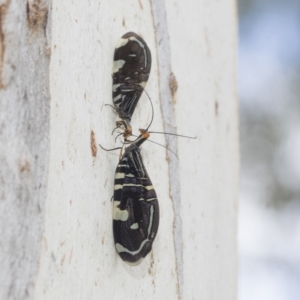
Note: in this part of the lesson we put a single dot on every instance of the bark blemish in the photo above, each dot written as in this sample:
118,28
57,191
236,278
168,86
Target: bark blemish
173,86
150,270
24,166
3,8
48,51
62,259
216,108
141,5
36,11
93,144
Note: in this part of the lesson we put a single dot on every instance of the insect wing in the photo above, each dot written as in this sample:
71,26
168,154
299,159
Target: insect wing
131,68
136,210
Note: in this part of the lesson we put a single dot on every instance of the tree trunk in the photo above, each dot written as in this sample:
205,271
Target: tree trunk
56,226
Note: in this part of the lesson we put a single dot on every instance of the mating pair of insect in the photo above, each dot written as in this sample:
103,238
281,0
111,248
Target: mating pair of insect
135,204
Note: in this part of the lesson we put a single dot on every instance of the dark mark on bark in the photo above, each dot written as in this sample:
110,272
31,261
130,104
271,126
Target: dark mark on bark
37,12
93,144
3,9
141,5
48,51
24,166
216,108
62,259
173,86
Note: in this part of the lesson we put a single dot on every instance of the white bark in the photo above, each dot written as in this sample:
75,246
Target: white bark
24,142
193,88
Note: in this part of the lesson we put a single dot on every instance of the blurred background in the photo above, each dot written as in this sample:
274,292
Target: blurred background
269,92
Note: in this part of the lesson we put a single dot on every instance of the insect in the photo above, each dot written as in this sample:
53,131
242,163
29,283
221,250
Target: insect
135,205
131,68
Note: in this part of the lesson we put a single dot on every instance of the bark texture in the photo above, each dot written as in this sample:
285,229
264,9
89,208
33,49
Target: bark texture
24,142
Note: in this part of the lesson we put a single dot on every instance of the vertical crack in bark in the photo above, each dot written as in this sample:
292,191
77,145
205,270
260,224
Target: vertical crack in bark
168,87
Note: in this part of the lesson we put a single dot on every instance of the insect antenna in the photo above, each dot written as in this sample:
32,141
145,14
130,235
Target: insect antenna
146,130
164,147
152,112
168,133
154,143
175,134
115,130
120,133
126,141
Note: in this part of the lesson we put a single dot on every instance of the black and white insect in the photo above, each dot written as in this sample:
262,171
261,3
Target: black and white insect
135,205
131,68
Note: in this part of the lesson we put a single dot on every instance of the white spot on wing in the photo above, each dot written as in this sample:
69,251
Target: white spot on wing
151,199
118,64
119,175
122,42
118,186
143,84
117,97
134,226
129,175
148,187
115,86
120,248
119,214
151,219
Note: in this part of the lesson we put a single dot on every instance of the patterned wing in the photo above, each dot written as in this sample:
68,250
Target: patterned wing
136,210
131,68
